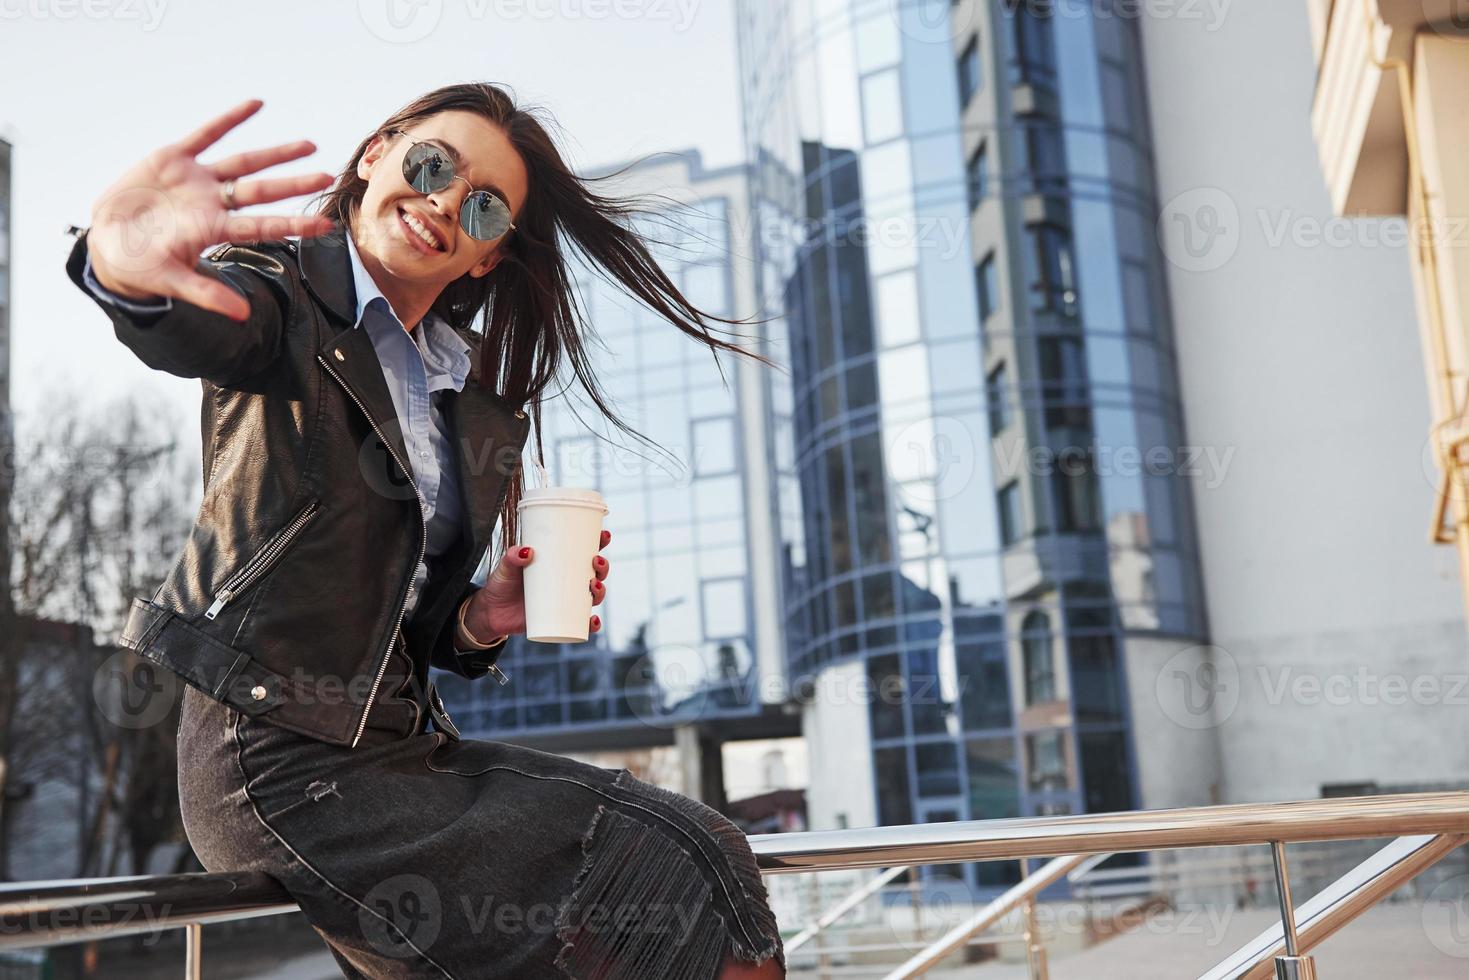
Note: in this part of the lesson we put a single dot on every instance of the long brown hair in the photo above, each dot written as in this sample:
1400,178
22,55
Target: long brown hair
531,321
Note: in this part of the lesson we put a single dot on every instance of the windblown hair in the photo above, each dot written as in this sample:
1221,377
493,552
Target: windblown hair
531,321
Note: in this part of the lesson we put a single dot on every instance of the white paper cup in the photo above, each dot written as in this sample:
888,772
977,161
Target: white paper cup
564,526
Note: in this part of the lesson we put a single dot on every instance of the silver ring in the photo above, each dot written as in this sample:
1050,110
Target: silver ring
227,194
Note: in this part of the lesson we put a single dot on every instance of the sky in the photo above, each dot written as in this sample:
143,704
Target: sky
91,86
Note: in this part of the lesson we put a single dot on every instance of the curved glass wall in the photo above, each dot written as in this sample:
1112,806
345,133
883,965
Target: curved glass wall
983,495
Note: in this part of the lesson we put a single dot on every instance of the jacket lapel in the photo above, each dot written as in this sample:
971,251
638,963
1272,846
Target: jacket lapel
347,353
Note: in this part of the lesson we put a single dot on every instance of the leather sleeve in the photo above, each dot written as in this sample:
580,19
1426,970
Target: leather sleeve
191,342
472,665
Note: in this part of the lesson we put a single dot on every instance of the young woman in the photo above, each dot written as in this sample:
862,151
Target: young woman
363,422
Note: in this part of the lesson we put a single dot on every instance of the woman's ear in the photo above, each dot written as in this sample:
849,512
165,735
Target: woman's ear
487,265
370,156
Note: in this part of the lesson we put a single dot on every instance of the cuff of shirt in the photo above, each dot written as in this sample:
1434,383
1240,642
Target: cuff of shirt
127,305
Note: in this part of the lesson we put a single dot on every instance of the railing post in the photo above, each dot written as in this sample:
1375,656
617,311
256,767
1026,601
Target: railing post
193,951
1291,966
915,899
813,900
1035,946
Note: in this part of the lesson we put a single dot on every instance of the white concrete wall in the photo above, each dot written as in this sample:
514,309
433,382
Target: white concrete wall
1300,356
1174,724
839,744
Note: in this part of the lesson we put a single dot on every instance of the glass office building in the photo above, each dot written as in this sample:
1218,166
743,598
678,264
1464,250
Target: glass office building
685,629
978,508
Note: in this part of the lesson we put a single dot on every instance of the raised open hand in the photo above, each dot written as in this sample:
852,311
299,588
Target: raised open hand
149,228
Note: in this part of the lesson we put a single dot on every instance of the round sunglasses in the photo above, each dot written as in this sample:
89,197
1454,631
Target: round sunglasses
429,168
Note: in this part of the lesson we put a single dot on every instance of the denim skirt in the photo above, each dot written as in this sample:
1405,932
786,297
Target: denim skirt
421,854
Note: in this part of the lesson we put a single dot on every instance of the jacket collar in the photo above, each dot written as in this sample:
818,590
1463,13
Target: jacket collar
485,423
326,269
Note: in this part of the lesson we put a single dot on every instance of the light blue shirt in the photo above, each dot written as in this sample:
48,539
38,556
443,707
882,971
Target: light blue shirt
416,366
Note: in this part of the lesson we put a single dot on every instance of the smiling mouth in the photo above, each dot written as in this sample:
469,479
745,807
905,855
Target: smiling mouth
419,232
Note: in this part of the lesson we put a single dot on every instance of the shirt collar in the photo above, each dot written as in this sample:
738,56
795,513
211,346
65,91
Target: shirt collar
445,353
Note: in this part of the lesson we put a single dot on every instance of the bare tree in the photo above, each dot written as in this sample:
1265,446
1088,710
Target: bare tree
99,509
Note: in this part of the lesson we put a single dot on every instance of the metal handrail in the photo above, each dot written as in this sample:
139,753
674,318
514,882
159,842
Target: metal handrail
846,905
1013,898
1339,903
52,913
1342,818
55,912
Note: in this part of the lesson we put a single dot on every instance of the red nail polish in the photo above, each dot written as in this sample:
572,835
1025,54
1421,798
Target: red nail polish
525,552
596,622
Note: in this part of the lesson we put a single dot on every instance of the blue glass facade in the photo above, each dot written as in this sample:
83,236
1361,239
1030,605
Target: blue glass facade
982,497
678,638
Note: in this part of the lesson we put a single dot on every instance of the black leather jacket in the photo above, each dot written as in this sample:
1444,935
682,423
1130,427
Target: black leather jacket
287,599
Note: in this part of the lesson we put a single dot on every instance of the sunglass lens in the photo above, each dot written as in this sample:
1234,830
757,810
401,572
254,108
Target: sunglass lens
484,216
427,168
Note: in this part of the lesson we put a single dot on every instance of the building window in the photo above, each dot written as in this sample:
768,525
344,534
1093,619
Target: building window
1034,62
1105,768
715,444
724,606
1010,518
1063,382
1096,686
894,799
978,175
999,403
1038,657
993,782
969,79
1045,156
938,769
882,106
888,691
987,286
1053,270
706,285
1046,761
1074,487
985,684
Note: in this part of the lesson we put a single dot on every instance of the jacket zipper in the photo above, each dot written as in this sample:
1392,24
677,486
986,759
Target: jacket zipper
422,547
261,561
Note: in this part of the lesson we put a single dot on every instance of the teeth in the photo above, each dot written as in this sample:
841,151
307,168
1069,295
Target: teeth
420,230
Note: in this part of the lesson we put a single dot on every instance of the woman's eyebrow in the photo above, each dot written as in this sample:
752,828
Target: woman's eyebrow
460,166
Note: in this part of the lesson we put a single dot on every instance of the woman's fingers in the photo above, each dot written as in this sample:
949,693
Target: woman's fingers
248,192
243,229
207,135
203,291
595,624
606,536
253,161
600,568
510,567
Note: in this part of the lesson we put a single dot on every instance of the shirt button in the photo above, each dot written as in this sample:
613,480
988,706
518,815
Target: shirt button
423,453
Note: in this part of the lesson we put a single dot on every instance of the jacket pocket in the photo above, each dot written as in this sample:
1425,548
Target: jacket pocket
263,560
